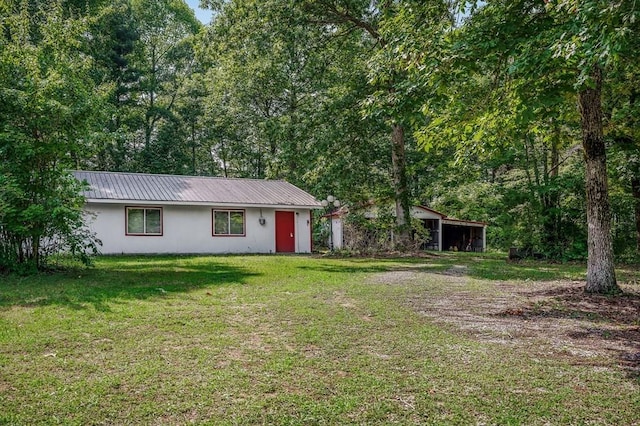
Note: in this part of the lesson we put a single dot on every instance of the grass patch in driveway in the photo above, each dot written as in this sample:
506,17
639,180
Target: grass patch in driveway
285,340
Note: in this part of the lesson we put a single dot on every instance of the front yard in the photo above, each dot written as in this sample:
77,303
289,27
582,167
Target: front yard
445,339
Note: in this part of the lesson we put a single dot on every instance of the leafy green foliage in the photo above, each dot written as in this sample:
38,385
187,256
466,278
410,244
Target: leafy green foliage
47,105
284,100
145,55
480,98
503,84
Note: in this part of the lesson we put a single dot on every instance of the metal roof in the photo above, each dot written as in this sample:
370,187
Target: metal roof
113,186
445,219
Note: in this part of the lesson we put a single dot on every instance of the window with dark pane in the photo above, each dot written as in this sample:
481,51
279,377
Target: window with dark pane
236,223
153,225
144,221
221,223
228,222
135,221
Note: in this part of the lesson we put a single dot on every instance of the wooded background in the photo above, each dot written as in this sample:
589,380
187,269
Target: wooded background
481,110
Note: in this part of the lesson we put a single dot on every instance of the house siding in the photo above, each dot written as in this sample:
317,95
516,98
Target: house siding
188,229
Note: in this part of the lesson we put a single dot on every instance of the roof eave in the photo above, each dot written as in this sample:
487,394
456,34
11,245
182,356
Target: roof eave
199,203
450,221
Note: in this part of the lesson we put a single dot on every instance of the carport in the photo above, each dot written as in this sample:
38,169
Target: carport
463,235
445,233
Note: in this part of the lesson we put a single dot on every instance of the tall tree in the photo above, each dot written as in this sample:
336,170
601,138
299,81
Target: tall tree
113,42
393,99
595,35
583,39
48,104
285,97
622,109
144,54
164,57
522,130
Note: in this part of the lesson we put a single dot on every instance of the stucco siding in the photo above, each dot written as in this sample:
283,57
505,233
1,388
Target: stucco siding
188,229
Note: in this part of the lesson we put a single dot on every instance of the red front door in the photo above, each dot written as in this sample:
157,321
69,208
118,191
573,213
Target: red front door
285,232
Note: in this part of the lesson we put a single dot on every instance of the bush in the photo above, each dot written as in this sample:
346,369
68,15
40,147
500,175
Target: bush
38,221
377,235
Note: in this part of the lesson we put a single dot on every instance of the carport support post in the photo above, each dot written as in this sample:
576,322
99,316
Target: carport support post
484,239
331,202
440,236
331,229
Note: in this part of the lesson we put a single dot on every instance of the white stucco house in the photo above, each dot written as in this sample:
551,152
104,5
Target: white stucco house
446,233
147,213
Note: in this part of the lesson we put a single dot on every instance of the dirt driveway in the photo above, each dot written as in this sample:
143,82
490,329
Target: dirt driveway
552,318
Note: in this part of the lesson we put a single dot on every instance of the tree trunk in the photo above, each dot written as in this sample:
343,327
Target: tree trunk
635,181
635,189
601,276
193,147
551,198
399,164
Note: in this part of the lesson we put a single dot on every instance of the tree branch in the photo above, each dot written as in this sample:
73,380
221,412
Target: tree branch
336,15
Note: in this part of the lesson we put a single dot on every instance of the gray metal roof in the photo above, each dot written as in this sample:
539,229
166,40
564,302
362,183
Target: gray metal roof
112,186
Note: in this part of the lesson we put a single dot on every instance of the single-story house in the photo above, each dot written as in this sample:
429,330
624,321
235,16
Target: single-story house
445,233
148,213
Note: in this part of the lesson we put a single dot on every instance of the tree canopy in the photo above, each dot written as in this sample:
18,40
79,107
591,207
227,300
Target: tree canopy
467,107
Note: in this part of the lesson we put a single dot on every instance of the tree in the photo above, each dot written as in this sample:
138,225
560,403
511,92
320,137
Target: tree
511,131
164,58
531,40
114,36
144,54
622,130
285,97
393,100
47,105
365,16
596,34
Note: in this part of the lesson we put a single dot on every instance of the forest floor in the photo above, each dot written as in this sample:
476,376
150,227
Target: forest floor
543,318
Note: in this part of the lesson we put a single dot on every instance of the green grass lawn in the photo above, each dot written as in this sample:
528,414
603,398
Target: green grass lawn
279,340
